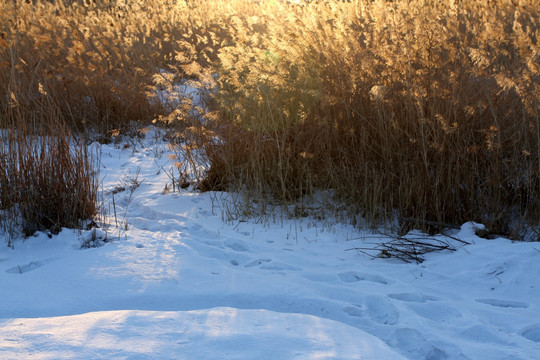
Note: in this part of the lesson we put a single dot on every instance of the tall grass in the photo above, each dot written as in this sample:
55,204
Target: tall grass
95,62
424,112
416,111
46,180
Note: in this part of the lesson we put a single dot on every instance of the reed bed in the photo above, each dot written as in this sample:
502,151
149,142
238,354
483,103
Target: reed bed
415,113
47,182
424,114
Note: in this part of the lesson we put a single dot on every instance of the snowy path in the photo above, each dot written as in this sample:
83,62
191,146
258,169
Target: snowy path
181,283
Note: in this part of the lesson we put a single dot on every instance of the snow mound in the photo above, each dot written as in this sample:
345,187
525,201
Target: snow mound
218,333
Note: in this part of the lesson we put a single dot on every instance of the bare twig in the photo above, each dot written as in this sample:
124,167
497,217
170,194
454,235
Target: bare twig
406,249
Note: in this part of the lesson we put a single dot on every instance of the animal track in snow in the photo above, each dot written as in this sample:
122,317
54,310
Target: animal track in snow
206,232
268,264
438,313
532,332
320,277
381,310
503,303
32,265
353,276
276,265
257,262
236,245
214,249
409,297
415,345
481,334
354,311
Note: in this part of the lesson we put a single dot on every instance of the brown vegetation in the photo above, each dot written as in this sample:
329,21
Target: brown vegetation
427,112
46,181
421,111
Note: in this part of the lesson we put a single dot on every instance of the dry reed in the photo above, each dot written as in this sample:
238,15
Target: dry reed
424,113
46,180
421,112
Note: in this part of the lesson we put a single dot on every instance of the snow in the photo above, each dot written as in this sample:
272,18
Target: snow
184,282
218,333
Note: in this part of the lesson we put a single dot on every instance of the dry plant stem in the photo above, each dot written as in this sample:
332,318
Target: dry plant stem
407,249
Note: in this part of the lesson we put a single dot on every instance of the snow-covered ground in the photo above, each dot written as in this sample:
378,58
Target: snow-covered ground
182,283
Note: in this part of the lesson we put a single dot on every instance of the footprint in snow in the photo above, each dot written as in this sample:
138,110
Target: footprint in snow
532,332
439,313
503,303
215,249
481,334
32,265
257,262
353,276
279,266
201,230
381,310
412,343
236,245
268,264
409,297
355,311
321,277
